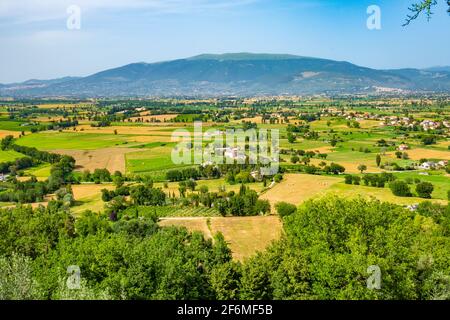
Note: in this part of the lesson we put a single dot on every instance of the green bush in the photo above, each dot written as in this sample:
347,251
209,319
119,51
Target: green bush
424,190
356,180
400,189
348,179
278,177
285,209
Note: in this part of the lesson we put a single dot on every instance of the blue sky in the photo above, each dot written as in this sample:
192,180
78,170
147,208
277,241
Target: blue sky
36,44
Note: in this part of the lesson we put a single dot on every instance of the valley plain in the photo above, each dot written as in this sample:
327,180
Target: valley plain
134,140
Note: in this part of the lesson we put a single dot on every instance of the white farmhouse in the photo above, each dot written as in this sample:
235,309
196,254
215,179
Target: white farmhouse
427,165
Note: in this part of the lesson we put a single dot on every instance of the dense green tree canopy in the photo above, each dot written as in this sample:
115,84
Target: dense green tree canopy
330,244
327,248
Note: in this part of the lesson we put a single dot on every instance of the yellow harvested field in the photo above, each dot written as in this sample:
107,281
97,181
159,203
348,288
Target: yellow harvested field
367,124
248,235
420,153
49,119
192,224
145,116
4,133
326,149
89,197
244,235
112,159
443,143
26,178
297,188
254,120
82,191
350,167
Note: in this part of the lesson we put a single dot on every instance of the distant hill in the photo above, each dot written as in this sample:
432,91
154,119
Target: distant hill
19,89
245,56
439,68
236,74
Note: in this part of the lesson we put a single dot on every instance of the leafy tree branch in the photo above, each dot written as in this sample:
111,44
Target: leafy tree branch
424,6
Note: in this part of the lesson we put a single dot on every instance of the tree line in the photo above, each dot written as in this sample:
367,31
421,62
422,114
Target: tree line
325,252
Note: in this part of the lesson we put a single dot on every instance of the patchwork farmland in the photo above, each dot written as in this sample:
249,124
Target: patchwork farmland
324,151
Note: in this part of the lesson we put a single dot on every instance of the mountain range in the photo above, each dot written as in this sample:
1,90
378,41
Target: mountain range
237,74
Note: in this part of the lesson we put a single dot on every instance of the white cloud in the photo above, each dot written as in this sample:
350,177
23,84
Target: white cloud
25,11
57,36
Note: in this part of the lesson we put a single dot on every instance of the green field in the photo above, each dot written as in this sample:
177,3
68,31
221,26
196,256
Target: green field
440,182
9,155
152,145
187,118
155,162
93,203
74,141
301,144
42,171
12,125
158,158
382,194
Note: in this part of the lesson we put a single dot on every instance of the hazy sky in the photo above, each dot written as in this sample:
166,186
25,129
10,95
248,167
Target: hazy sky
35,42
